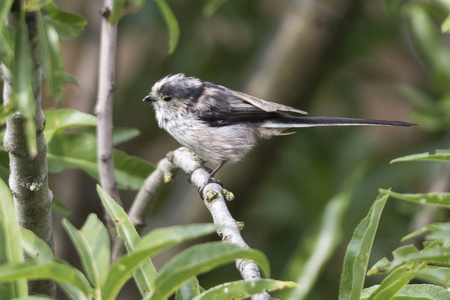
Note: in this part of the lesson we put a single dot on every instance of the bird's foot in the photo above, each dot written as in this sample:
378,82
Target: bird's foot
209,180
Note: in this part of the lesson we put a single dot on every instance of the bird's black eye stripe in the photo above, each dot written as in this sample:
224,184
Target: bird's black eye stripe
167,98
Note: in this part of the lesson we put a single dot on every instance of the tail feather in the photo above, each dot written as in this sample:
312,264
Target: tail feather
297,122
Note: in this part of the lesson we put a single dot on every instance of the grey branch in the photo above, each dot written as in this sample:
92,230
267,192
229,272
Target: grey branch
214,198
28,178
104,111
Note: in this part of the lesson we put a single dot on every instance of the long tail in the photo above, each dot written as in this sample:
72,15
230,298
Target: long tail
297,122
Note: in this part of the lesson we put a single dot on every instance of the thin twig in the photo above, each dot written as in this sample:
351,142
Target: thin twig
214,198
104,112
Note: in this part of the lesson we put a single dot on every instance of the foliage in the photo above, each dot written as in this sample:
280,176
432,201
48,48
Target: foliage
102,281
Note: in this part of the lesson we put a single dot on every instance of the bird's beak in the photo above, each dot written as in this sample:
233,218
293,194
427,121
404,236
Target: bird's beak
149,98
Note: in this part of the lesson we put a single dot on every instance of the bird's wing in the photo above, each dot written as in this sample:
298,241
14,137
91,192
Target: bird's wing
266,105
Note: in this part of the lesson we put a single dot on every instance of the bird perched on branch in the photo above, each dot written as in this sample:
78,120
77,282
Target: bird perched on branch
222,125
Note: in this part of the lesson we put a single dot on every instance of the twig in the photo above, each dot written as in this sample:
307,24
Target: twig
214,198
28,179
104,111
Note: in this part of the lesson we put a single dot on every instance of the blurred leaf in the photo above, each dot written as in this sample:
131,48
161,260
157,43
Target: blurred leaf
5,7
200,259
436,275
4,164
67,25
117,11
441,199
120,134
37,249
414,292
59,208
358,252
52,59
79,150
244,289
171,22
438,231
34,5
440,155
35,298
144,272
33,269
23,83
212,6
315,250
6,52
10,243
70,79
92,245
430,45
445,27
61,119
189,290
409,254
34,247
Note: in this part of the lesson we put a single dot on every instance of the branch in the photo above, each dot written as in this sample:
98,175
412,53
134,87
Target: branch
104,111
28,179
214,198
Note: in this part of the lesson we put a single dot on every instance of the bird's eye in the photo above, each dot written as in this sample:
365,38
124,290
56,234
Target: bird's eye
167,98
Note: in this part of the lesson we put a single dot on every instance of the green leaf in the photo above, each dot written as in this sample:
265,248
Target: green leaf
34,247
92,245
441,199
34,5
212,6
171,22
358,252
414,292
436,275
152,244
200,259
438,231
68,25
440,155
79,150
23,83
70,79
445,27
58,120
117,11
52,59
145,271
5,7
35,298
52,270
244,289
120,134
409,254
316,249
6,52
395,281
10,243
59,208
189,290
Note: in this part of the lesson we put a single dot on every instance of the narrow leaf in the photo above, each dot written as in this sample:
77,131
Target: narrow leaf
59,208
10,243
145,272
440,155
61,119
68,25
244,289
52,59
441,199
199,259
79,150
171,22
316,249
212,6
92,245
152,244
445,27
189,290
33,270
358,252
23,83
414,292
117,11
5,7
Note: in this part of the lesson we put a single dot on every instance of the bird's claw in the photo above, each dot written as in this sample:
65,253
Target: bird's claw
208,181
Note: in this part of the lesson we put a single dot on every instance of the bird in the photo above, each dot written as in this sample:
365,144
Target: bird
222,125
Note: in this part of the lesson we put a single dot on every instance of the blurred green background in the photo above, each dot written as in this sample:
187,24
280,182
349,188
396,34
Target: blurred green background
363,59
